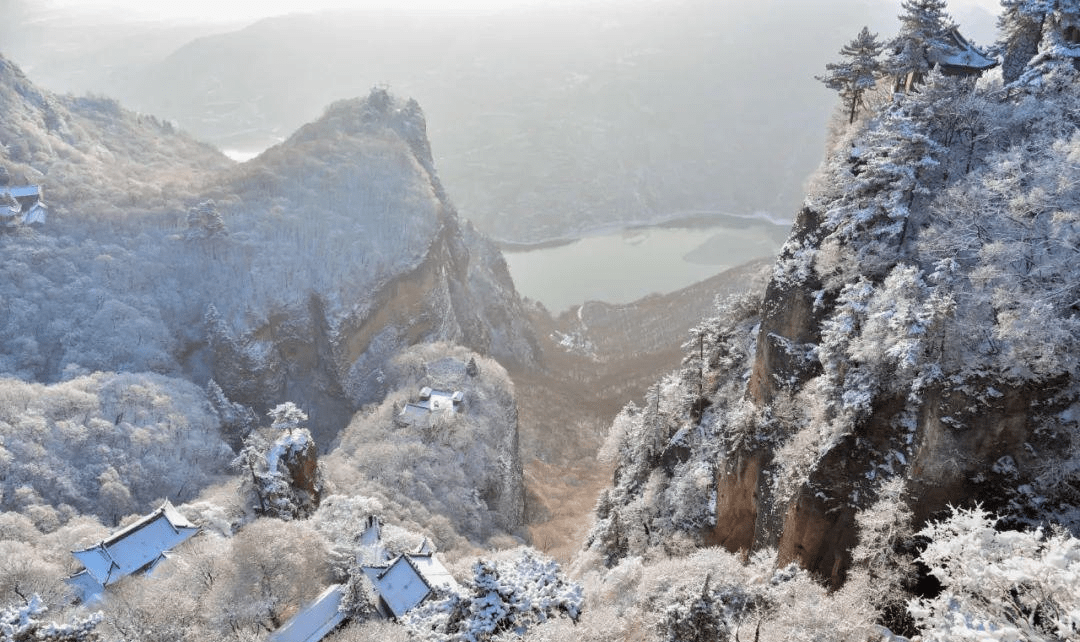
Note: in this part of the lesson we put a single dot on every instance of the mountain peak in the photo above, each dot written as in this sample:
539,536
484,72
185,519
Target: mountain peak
374,116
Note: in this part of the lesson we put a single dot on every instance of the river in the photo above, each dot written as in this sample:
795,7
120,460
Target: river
627,265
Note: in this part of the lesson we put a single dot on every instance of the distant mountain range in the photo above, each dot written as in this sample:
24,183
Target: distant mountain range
298,273
544,125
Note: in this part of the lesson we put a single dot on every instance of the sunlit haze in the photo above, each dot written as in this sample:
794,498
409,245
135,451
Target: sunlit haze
234,10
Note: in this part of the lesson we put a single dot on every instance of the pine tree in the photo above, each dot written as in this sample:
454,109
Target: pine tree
1020,25
893,159
251,463
923,26
204,221
286,416
237,420
857,73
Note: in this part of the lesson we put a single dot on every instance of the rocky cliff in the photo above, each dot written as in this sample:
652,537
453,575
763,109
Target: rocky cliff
359,255
294,276
456,459
920,325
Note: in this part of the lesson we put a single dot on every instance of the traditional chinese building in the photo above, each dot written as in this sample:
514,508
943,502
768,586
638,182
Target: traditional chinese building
431,405
137,548
316,620
22,205
408,580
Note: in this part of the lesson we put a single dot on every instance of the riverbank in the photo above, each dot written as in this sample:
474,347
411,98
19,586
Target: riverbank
688,220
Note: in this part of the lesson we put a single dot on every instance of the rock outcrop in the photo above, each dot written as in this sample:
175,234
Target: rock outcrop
916,329
457,459
374,259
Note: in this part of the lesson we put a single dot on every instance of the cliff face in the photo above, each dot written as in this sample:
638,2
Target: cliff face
953,442
373,259
920,325
294,276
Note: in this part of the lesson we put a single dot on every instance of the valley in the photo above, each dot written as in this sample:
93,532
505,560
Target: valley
544,363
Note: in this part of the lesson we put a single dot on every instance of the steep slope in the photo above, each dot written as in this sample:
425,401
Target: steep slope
920,327
94,156
463,464
351,252
292,277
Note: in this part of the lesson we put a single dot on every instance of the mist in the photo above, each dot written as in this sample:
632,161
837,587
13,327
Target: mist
549,122
546,121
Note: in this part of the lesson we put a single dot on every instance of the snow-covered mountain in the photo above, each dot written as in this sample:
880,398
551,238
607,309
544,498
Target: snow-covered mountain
294,275
345,249
915,348
547,122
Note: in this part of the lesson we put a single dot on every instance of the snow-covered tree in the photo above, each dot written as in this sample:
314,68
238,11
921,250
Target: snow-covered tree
891,164
204,222
512,594
286,416
999,584
1020,27
276,567
21,624
883,569
923,25
857,72
283,476
108,444
237,420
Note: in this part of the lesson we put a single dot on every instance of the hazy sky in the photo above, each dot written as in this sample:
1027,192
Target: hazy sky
232,10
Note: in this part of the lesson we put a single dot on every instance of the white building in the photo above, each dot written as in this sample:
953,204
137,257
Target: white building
313,622
22,205
137,548
432,404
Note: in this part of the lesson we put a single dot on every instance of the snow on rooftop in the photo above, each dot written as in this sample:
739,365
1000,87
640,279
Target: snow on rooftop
431,401
135,547
434,572
22,191
371,547
961,53
86,586
35,214
315,620
401,587
408,581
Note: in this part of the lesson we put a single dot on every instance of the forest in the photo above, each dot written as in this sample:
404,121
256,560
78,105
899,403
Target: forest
314,361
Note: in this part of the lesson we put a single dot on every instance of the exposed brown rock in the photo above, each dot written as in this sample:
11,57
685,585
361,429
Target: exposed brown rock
787,318
957,440
305,480
818,537
737,501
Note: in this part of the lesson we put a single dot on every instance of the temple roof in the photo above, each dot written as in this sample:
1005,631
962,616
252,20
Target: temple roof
137,547
313,622
408,581
958,53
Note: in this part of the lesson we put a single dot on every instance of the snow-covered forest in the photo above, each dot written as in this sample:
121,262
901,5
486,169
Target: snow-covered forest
315,360
915,349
